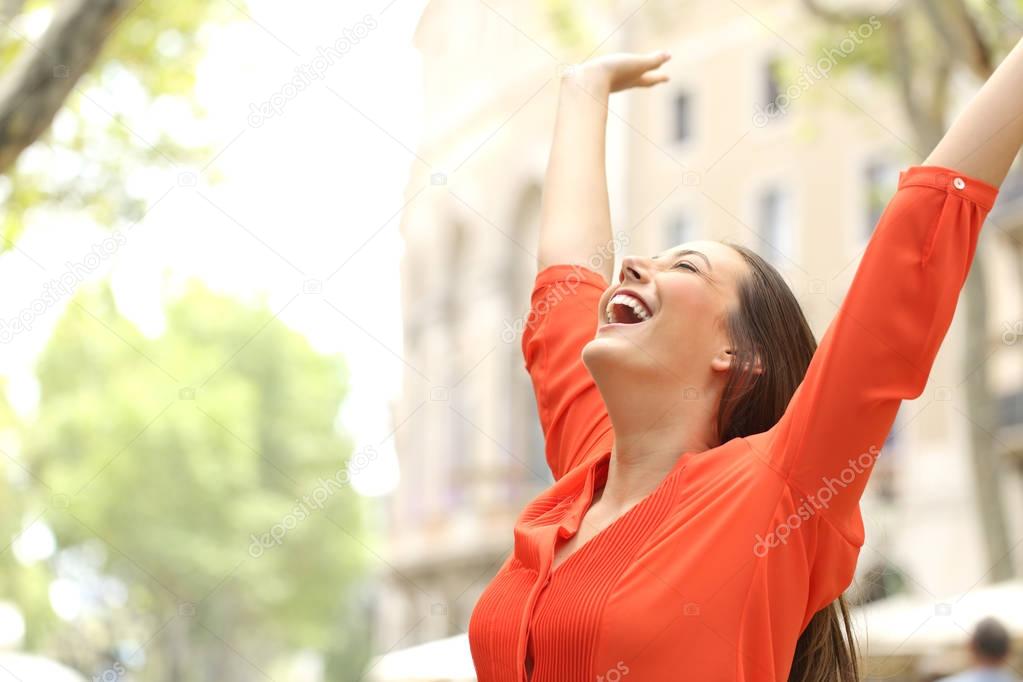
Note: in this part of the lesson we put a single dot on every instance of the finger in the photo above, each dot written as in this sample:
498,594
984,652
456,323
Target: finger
653,78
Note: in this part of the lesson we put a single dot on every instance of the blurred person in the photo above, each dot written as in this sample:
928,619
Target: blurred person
989,649
708,456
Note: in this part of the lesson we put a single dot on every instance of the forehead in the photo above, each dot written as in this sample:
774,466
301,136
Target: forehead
721,256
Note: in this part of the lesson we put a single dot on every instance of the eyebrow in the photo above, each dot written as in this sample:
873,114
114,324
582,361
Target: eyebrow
688,252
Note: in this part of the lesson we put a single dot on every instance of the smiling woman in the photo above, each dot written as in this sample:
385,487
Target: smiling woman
708,456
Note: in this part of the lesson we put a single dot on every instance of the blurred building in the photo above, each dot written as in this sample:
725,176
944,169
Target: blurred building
754,140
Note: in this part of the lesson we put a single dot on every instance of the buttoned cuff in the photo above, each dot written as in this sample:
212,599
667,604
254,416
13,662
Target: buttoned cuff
939,177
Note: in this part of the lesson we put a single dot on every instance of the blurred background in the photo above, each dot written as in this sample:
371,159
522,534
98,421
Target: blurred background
264,266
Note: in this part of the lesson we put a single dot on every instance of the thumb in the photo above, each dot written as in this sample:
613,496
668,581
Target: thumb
653,78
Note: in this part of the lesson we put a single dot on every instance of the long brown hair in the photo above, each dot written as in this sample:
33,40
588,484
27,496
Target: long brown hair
769,325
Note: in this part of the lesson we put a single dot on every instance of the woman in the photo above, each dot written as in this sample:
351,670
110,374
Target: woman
708,459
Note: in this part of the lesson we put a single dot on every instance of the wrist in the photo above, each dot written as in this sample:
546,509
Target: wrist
593,78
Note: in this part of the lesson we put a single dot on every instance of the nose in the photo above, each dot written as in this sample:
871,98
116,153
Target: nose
635,268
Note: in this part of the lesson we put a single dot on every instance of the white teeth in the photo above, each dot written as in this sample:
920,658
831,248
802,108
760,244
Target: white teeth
632,302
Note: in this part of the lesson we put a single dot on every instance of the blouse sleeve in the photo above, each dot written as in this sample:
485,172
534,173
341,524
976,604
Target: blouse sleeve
880,346
562,319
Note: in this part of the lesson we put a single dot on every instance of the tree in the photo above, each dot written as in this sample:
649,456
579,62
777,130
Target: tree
197,487
61,77
36,85
926,44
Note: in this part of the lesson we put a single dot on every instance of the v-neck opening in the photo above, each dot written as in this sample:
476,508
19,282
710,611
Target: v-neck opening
599,468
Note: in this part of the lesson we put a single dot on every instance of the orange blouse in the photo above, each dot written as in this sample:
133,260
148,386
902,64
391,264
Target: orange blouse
714,575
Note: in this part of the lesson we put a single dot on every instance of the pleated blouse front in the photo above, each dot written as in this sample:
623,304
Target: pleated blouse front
714,575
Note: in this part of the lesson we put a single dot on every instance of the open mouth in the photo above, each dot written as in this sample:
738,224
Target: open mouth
624,308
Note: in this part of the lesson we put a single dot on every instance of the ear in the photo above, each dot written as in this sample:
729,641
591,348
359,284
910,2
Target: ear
723,360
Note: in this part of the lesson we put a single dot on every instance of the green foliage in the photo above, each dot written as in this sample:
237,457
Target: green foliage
924,46
29,583
566,24
870,55
165,457
572,25
153,52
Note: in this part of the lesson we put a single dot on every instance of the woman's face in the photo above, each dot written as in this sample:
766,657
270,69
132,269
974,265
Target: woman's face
676,330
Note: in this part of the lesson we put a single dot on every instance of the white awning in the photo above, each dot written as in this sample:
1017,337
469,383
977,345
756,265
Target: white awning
921,625
15,667
446,659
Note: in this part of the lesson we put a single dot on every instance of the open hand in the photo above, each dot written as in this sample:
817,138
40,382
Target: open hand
623,70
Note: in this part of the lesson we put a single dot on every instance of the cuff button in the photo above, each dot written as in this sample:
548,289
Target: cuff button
959,183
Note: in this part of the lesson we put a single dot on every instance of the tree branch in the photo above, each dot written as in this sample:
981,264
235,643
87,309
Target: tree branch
10,9
836,16
34,89
953,22
902,68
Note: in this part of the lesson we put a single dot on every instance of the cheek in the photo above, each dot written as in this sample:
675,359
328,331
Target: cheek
688,301
690,318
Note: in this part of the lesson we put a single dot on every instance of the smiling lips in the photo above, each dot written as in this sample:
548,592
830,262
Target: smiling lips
626,307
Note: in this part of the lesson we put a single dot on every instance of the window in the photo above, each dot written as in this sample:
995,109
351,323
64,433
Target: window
1010,404
453,276
529,442
884,477
880,178
772,88
523,468
678,229
459,457
682,117
774,225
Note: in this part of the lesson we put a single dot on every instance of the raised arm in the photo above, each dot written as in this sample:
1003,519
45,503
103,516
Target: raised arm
575,217
575,226
881,345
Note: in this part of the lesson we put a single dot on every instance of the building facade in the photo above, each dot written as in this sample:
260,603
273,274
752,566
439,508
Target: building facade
754,140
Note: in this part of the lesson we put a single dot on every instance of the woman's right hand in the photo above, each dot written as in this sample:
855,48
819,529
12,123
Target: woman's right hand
575,213
623,70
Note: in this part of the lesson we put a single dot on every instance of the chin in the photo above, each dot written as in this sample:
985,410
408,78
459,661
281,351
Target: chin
608,353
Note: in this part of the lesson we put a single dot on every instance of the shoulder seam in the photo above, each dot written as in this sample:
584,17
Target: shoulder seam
786,480
821,513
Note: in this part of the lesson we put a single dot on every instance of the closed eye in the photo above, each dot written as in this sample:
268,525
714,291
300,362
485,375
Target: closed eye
691,267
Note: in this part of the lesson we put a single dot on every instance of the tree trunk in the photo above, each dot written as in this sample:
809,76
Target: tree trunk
10,9
36,85
982,411
981,405
922,85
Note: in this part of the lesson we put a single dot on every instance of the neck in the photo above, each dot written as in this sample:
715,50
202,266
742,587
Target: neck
984,663
652,428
